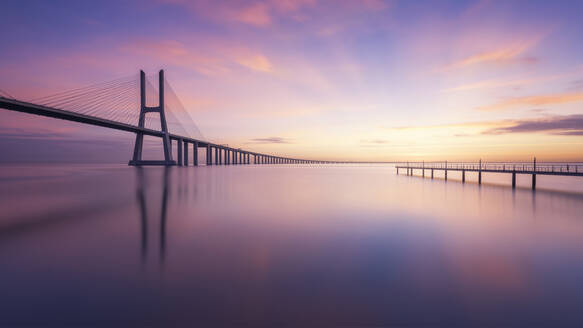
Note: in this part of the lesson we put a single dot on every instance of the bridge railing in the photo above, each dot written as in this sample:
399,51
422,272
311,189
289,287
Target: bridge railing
500,166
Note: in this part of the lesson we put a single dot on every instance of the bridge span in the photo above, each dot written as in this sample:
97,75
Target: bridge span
216,154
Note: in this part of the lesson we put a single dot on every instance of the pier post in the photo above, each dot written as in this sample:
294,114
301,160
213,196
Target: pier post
431,173
480,173
195,154
208,154
185,159
445,170
513,179
423,174
179,148
463,176
534,175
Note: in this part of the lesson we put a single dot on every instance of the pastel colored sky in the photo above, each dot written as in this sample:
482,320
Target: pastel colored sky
355,80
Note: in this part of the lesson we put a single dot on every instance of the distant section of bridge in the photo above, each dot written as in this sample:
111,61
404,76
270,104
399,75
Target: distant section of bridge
216,154
533,169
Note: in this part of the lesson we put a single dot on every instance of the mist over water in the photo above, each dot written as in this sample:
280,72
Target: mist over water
300,245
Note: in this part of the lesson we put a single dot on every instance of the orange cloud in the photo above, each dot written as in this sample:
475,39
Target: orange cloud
216,59
503,55
256,62
553,99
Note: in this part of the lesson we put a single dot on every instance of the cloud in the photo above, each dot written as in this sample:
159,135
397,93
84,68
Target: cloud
271,140
551,99
507,54
215,58
256,62
567,125
374,141
375,4
489,84
576,85
260,14
479,124
257,15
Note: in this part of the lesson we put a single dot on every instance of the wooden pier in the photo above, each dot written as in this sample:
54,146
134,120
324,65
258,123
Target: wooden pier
534,169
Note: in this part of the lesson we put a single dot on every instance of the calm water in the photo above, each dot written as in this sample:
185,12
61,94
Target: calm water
283,245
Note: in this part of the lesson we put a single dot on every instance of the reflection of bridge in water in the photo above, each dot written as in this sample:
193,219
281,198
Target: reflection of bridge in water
110,105
141,195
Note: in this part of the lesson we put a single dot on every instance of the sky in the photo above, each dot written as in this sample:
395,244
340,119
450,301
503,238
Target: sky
333,80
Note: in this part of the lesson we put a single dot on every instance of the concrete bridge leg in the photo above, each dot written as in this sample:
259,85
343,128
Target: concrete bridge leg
195,154
179,149
445,174
185,159
431,173
463,176
208,155
480,177
513,179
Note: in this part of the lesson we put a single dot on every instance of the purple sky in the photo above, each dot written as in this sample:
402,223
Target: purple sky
358,80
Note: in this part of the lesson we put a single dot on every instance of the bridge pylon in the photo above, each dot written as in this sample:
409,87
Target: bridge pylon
137,158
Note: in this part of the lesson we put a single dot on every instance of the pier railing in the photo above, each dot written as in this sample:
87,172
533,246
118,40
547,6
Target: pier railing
533,168
541,167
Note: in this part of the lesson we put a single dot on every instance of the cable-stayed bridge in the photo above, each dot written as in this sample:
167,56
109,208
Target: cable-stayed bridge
125,104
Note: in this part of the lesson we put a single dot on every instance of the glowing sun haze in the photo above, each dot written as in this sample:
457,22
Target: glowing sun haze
355,80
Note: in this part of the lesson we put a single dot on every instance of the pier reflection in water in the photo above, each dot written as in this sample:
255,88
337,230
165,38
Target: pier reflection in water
354,245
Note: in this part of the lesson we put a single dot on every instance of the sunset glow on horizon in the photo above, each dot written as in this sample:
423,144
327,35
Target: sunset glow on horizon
367,80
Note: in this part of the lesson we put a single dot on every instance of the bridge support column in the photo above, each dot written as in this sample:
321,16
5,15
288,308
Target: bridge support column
445,174
463,176
513,179
431,173
179,149
185,159
138,146
195,154
208,155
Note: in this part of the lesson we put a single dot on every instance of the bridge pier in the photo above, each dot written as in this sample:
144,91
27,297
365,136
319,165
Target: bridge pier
463,176
138,146
208,154
431,173
195,153
185,159
513,179
179,150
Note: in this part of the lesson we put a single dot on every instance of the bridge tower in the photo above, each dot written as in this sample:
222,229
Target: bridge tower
137,158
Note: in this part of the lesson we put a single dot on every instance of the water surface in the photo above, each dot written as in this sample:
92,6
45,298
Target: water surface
274,245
